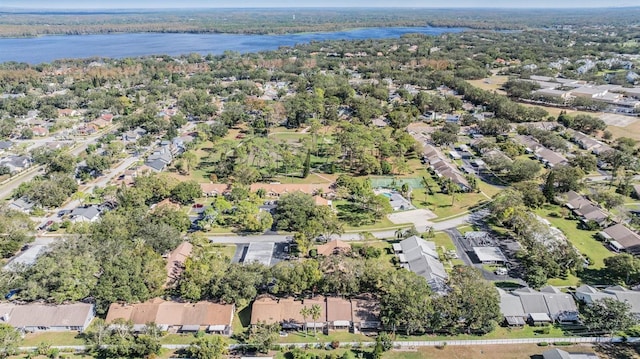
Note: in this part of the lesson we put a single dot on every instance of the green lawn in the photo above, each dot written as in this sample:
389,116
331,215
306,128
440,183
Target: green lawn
52,338
582,239
300,337
384,223
177,339
498,333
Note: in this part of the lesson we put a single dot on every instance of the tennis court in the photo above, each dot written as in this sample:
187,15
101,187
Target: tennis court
392,182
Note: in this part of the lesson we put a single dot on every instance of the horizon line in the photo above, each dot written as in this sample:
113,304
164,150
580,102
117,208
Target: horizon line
314,7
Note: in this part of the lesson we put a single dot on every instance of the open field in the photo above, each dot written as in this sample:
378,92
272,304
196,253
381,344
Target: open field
493,83
583,240
632,130
520,351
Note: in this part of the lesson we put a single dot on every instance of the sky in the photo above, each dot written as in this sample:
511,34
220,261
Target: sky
129,4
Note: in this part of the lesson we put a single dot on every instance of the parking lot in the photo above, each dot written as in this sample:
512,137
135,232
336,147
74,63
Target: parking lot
466,253
267,253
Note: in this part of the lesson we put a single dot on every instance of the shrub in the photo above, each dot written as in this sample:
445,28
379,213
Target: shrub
335,344
543,344
562,344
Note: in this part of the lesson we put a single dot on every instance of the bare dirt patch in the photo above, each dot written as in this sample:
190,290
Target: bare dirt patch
419,217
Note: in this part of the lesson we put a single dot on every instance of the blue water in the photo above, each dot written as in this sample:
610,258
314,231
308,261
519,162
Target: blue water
49,48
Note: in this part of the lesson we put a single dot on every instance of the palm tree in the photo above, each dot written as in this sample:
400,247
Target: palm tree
315,312
305,312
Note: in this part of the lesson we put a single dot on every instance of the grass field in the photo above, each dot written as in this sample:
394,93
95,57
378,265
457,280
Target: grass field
582,239
301,337
498,333
521,351
53,338
493,83
632,131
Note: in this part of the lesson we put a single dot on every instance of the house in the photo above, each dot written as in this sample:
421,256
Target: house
585,142
420,257
88,129
357,314
550,158
589,294
85,214
365,314
588,92
133,135
213,189
176,260
636,190
37,317
16,163
538,307
334,247
21,204
339,314
175,316
552,93
156,165
5,145
278,189
490,255
528,142
67,112
631,297
561,306
39,131
511,308
321,201
621,238
556,353
585,209
441,167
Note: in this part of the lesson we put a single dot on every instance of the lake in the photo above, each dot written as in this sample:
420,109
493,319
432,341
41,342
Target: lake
49,48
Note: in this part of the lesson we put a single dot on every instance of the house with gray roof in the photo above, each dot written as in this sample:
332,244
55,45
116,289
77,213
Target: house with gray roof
511,308
420,257
556,353
632,297
85,214
538,307
589,294
622,239
5,145
38,317
16,163
562,307
549,157
21,204
585,209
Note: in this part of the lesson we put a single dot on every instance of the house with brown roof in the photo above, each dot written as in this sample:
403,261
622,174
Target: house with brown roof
175,317
39,317
67,112
358,314
321,201
335,246
278,189
176,260
39,131
214,189
622,239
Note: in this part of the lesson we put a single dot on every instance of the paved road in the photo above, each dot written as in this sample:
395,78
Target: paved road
405,344
7,188
355,236
28,175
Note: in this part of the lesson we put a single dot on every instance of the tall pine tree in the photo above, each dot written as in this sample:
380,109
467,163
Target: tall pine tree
307,165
